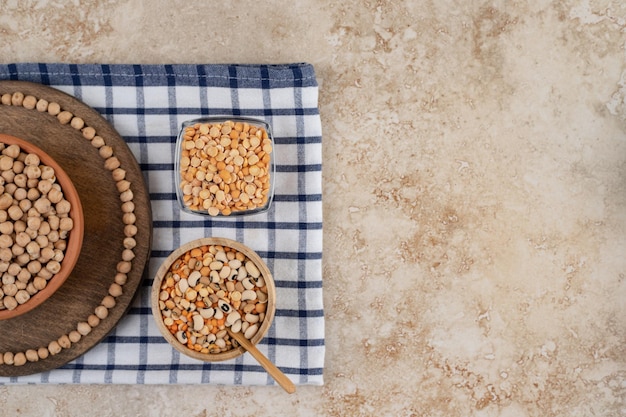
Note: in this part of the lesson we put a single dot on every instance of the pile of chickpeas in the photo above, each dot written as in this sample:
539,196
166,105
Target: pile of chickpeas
34,225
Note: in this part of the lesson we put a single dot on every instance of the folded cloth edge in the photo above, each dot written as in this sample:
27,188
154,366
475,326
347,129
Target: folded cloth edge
221,75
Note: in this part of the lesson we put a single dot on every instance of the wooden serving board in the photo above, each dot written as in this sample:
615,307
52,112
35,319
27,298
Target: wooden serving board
104,229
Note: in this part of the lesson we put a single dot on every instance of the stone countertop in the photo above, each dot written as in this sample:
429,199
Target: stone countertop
474,197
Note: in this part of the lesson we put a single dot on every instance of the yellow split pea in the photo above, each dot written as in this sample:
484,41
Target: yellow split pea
225,167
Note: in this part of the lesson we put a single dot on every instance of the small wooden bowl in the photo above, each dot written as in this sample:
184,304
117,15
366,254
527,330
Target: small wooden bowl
165,267
74,240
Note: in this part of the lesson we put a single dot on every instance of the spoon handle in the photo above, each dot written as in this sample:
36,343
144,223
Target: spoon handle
271,369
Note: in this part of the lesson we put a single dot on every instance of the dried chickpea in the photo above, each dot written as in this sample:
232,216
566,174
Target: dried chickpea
43,352
64,117
17,98
54,108
31,355
74,336
42,105
93,320
108,302
89,132
77,123
8,358
19,359
64,341
54,347
83,328
102,312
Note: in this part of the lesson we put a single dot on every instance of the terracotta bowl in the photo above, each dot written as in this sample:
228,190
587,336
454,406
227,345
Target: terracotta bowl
74,240
165,271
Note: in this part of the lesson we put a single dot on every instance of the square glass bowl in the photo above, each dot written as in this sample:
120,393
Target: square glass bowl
225,166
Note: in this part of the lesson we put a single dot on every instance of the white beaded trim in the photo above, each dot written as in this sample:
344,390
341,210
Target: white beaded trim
111,163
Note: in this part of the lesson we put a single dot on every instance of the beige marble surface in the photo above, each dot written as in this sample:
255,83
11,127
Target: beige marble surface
474,196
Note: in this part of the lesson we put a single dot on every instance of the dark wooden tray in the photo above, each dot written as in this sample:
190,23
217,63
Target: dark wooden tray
104,229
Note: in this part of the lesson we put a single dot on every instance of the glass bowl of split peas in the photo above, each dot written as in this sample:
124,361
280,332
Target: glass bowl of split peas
208,288
225,166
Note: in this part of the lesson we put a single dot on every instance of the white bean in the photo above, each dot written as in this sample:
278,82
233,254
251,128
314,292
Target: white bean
181,337
248,295
252,269
251,331
207,313
193,278
225,272
198,322
236,326
183,285
252,318
247,284
232,318
221,256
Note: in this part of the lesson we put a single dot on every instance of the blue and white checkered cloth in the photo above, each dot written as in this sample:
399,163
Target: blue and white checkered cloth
147,105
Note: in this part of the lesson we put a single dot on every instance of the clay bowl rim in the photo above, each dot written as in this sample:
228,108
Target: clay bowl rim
219,241
75,239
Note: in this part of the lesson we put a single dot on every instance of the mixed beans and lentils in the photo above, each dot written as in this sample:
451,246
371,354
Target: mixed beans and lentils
34,225
225,167
208,289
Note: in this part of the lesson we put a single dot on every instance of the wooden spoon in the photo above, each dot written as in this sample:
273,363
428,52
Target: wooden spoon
271,369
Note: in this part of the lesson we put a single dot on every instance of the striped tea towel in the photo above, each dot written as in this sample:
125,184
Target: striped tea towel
147,105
